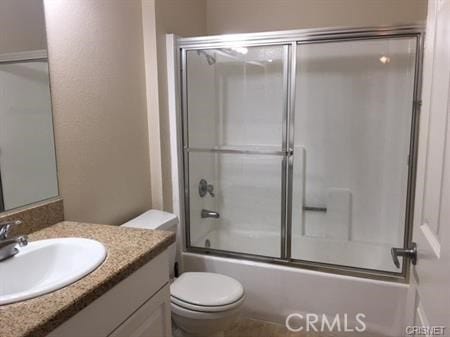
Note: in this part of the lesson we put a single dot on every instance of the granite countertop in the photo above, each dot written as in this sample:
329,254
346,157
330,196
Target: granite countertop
128,249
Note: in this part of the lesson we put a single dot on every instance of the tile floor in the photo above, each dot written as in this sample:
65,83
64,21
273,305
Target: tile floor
253,328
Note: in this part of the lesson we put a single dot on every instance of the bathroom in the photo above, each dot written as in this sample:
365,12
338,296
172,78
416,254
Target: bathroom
233,168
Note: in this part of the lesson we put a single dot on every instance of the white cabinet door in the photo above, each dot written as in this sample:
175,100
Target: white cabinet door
431,276
152,319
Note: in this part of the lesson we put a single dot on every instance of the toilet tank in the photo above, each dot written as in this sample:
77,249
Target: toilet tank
158,220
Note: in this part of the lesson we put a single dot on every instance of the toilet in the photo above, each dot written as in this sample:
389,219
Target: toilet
202,304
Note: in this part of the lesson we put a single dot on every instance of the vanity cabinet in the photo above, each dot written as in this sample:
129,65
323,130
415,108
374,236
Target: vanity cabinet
138,306
150,320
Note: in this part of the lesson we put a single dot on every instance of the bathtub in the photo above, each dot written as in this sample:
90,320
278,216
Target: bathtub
327,250
275,291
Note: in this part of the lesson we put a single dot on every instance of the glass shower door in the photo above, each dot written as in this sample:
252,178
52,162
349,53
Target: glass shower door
354,103
234,156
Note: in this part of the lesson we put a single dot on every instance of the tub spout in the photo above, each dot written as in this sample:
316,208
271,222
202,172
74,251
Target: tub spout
210,214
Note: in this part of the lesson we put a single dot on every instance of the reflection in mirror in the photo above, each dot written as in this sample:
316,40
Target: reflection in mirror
27,152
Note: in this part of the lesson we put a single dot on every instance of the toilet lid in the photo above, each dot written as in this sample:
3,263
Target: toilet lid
206,289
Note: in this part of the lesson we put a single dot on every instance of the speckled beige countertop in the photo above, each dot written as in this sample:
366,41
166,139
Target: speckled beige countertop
128,250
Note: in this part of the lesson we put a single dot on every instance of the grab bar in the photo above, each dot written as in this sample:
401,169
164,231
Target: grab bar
315,209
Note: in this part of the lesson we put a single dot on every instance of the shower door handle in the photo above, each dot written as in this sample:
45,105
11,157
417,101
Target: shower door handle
410,253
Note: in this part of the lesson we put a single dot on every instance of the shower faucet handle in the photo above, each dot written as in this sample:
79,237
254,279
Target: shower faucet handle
405,252
210,189
204,187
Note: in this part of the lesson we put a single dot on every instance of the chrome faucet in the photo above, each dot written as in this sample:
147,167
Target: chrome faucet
209,214
8,245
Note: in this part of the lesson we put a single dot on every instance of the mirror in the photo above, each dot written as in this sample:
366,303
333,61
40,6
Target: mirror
27,147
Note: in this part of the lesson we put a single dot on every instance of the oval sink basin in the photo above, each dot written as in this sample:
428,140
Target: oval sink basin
48,265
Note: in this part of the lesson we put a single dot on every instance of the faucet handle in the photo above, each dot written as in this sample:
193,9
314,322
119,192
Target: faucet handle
204,188
5,227
210,190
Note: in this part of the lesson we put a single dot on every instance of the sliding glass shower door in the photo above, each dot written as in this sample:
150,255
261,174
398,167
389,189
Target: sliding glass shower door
235,106
299,147
354,102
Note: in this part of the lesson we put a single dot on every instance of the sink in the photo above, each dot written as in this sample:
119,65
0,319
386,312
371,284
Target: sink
48,265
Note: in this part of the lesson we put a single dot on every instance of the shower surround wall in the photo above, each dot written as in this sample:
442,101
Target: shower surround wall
223,119
352,125
250,113
201,165
350,151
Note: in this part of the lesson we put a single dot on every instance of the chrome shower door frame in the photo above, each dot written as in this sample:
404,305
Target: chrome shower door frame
292,39
2,202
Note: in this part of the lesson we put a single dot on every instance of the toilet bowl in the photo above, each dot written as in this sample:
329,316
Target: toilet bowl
202,304
205,304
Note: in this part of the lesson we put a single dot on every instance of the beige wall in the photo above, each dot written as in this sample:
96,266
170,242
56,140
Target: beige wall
22,25
98,89
184,18
151,78
239,16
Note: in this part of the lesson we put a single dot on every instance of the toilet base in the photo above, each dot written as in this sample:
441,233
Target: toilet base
187,323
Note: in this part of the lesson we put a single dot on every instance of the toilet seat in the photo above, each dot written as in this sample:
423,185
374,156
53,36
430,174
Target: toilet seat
204,308
206,292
